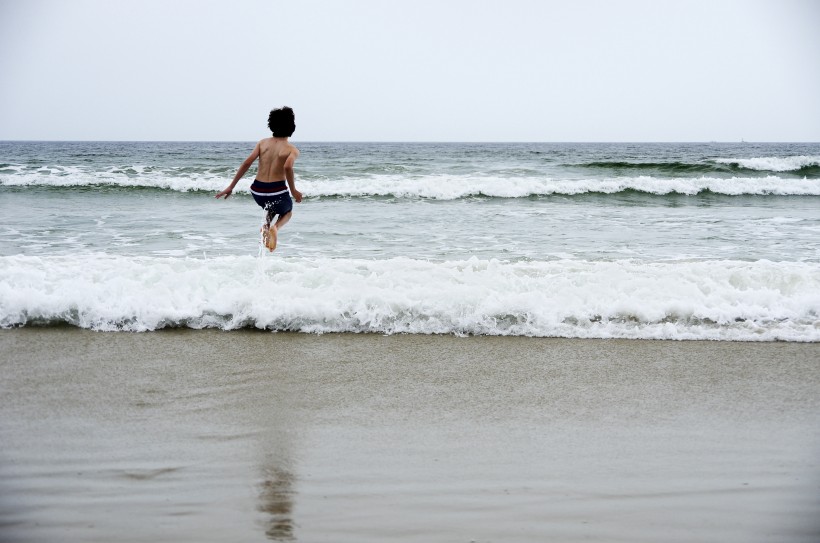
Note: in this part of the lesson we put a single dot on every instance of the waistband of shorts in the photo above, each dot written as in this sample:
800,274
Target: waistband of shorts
265,188
269,193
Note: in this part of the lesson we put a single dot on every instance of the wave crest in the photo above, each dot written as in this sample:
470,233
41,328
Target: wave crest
797,164
447,187
720,300
455,187
808,166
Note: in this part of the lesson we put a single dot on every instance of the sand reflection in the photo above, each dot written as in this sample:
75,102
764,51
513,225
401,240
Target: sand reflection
276,499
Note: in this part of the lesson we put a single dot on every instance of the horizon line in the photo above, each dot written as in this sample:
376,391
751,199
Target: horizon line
742,141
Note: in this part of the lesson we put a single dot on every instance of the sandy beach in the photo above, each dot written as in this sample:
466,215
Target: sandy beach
186,435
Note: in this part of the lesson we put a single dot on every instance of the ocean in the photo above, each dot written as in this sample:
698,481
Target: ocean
712,241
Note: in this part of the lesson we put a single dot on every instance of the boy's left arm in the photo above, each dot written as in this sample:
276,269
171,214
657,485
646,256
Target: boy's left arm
294,154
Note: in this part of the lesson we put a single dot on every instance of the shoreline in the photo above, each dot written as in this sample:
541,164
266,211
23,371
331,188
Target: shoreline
65,326
203,435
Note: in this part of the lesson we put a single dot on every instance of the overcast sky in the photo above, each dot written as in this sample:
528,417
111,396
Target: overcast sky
418,70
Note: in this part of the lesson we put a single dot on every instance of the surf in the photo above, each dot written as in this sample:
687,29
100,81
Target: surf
795,166
444,187
682,300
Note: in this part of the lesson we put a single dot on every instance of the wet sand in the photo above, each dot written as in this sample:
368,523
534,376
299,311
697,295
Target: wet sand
252,436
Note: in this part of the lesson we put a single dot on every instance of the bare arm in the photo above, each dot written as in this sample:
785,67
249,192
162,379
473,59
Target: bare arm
243,168
289,174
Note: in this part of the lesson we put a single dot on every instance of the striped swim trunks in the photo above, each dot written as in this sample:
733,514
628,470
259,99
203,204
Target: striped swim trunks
273,197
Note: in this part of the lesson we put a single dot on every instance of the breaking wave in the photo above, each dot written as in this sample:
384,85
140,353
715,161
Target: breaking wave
715,300
808,166
794,164
443,187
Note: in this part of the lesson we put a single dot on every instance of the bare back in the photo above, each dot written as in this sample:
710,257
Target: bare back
276,158
273,156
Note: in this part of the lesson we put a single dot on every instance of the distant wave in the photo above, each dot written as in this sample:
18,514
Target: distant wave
808,166
795,164
444,187
716,300
180,179
455,187
666,167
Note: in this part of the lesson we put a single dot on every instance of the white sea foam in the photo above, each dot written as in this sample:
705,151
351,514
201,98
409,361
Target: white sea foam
442,187
773,164
720,300
128,177
453,187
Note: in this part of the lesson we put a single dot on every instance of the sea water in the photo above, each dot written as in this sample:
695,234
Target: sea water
634,240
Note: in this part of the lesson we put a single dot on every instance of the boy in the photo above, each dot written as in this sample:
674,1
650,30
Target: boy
276,157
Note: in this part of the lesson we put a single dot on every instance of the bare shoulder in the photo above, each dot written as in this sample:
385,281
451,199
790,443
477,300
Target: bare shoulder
261,145
290,150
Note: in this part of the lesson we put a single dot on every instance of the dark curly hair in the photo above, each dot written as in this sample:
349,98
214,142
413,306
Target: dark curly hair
282,122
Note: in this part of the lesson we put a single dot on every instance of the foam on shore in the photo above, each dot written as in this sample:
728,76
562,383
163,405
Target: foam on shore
718,300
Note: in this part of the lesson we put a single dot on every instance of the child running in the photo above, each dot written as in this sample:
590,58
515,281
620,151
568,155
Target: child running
275,176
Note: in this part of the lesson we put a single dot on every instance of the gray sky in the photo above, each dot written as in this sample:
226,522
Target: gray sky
417,70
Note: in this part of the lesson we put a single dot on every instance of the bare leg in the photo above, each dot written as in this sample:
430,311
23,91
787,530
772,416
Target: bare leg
273,231
268,234
282,220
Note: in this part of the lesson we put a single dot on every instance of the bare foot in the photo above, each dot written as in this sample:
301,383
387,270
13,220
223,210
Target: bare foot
269,238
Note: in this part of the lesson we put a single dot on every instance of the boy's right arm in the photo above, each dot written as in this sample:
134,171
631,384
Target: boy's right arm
246,164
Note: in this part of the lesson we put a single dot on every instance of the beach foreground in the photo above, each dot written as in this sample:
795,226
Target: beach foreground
185,435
